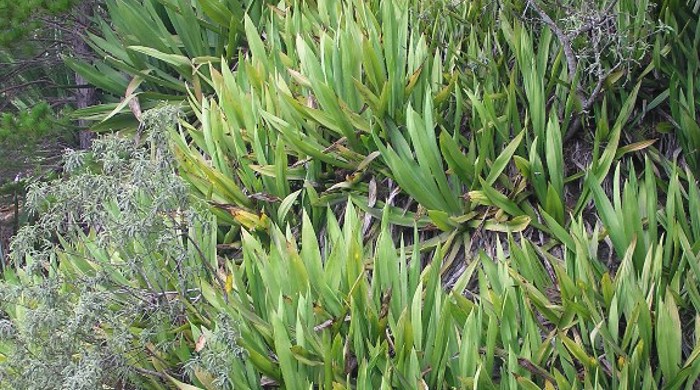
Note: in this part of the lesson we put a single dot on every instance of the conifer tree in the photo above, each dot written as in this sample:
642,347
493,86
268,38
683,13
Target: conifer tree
37,91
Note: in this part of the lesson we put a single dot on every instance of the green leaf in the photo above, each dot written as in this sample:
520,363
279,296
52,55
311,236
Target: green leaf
555,158
501,201
504,158
607,214
116,86
172,59
286,205
668,336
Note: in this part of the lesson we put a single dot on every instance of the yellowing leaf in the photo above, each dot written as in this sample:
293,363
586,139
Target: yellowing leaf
228,286
634,147
514,225
182,386
249,220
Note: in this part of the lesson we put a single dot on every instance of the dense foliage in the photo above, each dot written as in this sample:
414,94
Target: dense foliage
36,93
19,18
372,194
80,316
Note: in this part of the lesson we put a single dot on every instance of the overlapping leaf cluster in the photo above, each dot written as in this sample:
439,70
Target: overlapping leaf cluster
421,194
593,291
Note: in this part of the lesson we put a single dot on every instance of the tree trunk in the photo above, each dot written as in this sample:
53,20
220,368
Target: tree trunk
84,97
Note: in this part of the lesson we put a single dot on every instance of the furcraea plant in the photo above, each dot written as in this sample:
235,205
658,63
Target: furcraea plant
365,315
444,137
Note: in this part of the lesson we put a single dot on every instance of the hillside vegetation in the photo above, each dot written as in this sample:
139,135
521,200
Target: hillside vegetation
367,194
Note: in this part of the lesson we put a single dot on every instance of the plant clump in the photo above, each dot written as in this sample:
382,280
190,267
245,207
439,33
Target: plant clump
106,271
369,194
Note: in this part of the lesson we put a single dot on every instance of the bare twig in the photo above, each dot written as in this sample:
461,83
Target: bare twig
24,85
572,61
328,324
